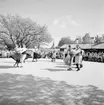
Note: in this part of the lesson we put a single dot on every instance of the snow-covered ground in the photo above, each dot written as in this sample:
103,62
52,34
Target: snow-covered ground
91,74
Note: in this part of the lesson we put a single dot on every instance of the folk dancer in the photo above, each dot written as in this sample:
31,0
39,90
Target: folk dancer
54,56
19,55
79,57
70,55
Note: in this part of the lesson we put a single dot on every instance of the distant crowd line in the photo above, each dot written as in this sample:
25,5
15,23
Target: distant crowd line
94,56
88,56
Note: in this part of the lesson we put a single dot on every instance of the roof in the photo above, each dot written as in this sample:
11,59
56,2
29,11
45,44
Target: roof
64,46
57,47
98,46
83,46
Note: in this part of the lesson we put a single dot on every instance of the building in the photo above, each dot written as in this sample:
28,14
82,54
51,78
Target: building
82,46
85,47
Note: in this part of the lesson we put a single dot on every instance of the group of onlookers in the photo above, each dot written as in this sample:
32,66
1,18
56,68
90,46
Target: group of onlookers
21,54
56,54
94,56
5,53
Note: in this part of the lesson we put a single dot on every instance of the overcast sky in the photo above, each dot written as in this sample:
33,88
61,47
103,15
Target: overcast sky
63,17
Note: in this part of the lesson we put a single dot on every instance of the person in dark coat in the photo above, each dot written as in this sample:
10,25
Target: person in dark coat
36,56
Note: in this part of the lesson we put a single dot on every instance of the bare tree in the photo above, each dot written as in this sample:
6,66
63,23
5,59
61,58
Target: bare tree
18,31
42,39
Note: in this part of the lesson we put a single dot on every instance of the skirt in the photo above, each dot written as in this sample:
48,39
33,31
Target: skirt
67,60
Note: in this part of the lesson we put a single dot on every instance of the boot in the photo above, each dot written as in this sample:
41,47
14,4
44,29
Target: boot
78,68
81,65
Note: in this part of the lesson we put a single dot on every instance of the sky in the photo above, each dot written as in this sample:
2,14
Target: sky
62,17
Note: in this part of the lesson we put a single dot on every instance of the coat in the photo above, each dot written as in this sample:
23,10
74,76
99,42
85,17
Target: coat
54,55
79,57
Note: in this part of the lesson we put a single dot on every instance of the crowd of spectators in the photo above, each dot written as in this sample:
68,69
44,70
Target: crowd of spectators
59,55
5,53
94,56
